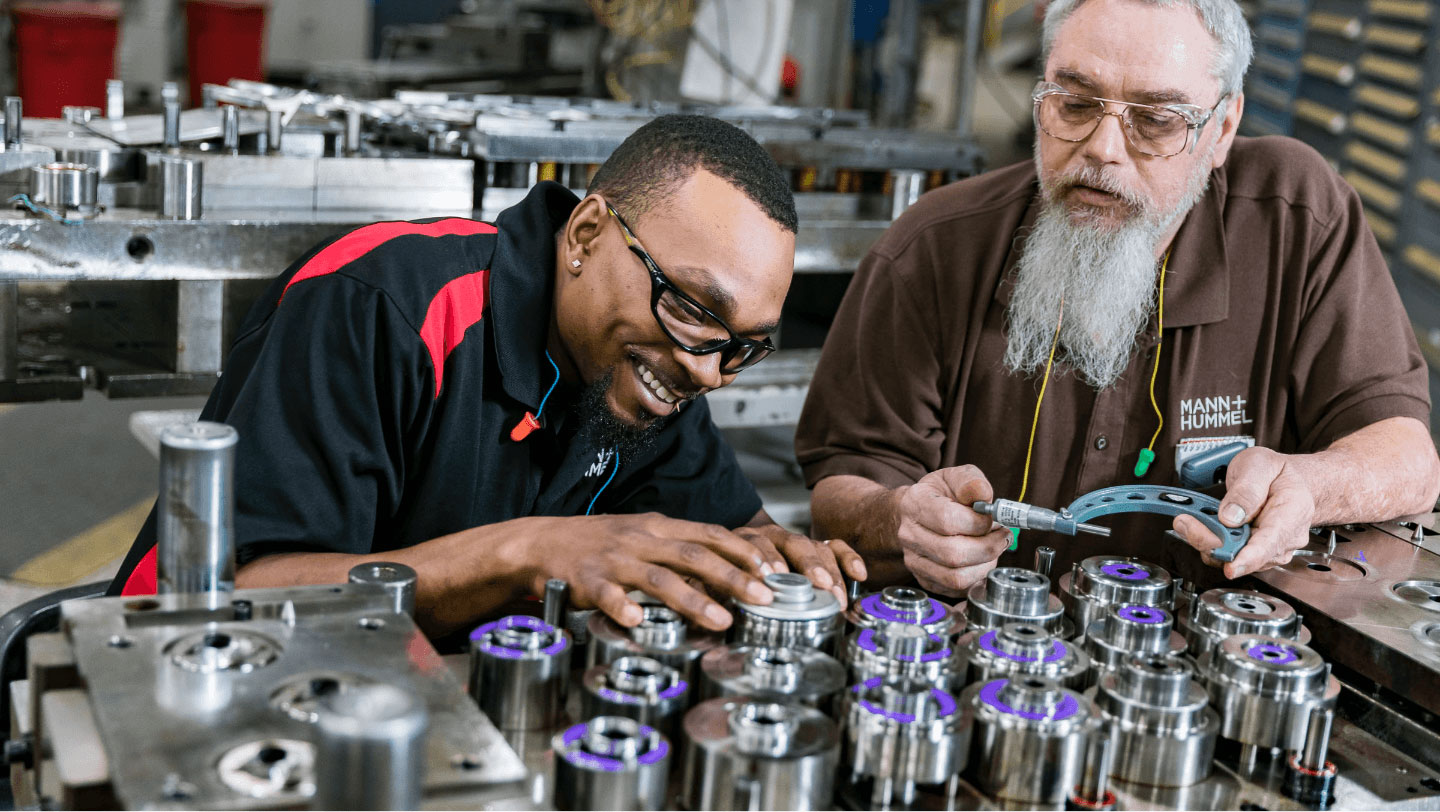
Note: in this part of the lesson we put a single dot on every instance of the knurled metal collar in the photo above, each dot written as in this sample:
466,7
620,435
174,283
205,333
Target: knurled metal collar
795,599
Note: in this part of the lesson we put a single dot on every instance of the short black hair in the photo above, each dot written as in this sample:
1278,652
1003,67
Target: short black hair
649,165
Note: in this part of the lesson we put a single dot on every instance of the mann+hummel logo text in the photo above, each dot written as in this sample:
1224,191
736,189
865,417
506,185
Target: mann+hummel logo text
1213,412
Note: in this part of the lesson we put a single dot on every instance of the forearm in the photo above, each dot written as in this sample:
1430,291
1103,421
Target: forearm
1384,471
866,515
454,585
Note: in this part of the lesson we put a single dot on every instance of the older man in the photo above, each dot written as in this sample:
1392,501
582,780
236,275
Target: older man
1150,287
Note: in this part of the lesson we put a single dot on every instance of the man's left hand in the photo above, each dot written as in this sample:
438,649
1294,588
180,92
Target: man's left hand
820,561
1263,488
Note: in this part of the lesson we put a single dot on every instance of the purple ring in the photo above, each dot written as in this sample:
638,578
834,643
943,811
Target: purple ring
1272,653
990,694
1125,571
987,642
586,759
866,640
534,624
947,703
872,606
606,692
1143,614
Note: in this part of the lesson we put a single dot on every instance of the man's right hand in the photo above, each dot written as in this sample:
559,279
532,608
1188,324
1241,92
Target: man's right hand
948,546
604,557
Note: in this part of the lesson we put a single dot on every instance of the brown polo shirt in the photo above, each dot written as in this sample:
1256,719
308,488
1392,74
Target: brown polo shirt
1282,324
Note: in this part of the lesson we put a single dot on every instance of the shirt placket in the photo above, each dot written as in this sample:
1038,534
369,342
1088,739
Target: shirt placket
1102,465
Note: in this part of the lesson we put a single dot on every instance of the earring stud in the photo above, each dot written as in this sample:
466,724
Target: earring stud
574,263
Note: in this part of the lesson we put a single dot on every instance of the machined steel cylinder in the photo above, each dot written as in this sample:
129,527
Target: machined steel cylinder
1029,737
195,534
800,615
643,689
13,135
1265,689
798,675
274,130
903,604
662,635
1015,595
69,189
170,116
1160,720
611,762
182,187
900,649
898,735
114,99
398,581
1125,631
743,753
1101,581
370,749
519,667
230,128
1221,613
1023,648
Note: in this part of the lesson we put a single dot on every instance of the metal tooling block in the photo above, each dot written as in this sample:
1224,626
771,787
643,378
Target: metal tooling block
1373,606
181,698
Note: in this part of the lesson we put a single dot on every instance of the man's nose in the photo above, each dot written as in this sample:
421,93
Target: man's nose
704,370
1107,144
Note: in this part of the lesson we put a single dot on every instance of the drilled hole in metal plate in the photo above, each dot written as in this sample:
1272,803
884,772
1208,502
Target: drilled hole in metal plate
1025,630
466,761
1429,783
142,605
1318,567
1135,497
120,641
1177,498
373,623
1107,499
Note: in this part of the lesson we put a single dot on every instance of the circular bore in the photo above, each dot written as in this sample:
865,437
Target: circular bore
519,637
272,769
301,696
1424,594
214,650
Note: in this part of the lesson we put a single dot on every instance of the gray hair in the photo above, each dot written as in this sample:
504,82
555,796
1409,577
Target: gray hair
1222,18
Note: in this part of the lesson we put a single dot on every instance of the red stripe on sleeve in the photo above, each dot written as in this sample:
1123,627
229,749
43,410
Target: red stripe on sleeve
142,578
363,240
454,309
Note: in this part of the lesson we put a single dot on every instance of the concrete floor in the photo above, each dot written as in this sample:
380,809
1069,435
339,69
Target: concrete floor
75,485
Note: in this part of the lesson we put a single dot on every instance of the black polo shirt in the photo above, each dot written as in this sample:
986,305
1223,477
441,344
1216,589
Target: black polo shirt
376,383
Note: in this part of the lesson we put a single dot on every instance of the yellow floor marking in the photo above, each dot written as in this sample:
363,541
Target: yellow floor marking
87,551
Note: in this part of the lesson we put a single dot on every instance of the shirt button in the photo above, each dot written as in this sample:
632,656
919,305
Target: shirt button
1101,442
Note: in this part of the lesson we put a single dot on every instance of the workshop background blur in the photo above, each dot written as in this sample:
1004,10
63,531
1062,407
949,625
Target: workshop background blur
87,376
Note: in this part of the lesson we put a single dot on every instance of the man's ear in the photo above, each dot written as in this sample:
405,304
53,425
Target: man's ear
1234,108
580,232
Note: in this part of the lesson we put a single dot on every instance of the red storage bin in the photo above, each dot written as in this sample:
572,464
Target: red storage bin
225,39
65,50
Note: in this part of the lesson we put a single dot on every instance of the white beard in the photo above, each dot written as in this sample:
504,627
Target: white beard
1104,275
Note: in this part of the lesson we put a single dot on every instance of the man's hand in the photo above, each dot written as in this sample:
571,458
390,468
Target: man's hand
604,557
1265,488
947,546
820,561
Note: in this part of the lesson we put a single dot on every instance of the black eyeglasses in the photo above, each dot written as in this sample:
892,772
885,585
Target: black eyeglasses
691,325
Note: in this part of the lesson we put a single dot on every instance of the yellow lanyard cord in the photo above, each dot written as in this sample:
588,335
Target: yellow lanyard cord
1035,421
1147,455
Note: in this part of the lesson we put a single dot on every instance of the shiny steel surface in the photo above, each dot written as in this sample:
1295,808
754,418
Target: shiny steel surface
1012,594
397,580
1023,648
70,189
1159,718
370,749
1102,580
898,735
1220,613
1028,737
900,649
903,604
662,635
195,513
519,670
640,688
800,615
611,762
742,753
800,675
167,705
1264,689
1126,630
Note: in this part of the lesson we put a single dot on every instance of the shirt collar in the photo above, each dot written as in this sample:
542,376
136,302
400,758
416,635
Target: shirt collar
522,283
